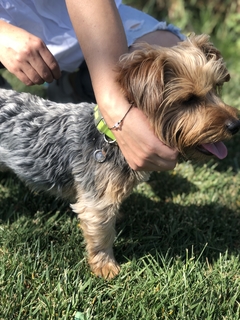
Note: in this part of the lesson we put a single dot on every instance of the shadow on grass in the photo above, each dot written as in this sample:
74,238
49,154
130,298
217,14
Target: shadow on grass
149,224
170,228
16,200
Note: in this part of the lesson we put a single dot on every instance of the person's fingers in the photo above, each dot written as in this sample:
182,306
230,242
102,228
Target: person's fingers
21,75
33,64
50,65
146,158
43,62
141,148
26,73
35,71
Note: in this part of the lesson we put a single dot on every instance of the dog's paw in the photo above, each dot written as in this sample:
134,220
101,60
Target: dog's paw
106,268
107,271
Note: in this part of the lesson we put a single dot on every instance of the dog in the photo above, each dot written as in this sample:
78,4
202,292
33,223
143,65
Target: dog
68,150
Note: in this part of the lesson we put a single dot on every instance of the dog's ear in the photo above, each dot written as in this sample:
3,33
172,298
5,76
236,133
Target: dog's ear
141,77
203,43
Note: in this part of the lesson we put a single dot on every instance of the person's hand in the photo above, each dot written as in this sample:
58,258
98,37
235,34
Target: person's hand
140,147
26,56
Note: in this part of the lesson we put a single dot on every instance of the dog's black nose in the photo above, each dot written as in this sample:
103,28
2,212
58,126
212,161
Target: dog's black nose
233,126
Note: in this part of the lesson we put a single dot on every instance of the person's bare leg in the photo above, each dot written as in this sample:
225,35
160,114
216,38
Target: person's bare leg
162,38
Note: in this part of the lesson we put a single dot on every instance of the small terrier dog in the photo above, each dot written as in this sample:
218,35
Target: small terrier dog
58,147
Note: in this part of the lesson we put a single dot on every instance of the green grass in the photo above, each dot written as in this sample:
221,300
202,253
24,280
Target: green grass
178,244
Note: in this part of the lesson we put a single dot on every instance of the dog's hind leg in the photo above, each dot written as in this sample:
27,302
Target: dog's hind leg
97,220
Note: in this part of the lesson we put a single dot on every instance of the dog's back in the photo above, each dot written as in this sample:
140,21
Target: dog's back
41,141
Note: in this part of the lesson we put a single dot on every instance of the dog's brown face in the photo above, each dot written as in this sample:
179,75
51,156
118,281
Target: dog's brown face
178,90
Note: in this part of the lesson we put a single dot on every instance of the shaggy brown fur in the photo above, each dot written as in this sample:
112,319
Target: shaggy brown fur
178,89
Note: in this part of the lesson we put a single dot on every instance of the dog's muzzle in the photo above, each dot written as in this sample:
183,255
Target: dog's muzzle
218,148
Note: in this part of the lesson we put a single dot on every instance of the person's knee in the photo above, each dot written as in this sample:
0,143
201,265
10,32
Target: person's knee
162,38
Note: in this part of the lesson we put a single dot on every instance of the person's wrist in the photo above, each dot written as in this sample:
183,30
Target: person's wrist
113,106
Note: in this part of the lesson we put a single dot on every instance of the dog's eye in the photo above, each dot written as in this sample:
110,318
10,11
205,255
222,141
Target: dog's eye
191,100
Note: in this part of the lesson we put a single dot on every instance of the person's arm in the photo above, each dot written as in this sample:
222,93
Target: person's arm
101,35
26,56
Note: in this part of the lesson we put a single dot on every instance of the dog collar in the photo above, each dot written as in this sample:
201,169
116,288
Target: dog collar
101,124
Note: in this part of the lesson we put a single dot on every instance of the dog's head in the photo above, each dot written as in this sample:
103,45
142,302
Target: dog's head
178,90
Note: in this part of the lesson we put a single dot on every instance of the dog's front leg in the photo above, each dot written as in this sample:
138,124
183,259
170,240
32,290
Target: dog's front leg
98,225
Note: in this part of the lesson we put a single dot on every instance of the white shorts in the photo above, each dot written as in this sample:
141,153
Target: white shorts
137,23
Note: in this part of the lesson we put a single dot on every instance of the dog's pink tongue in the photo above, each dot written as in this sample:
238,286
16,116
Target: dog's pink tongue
218,149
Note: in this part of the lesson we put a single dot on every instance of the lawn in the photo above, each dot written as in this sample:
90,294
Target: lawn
178,244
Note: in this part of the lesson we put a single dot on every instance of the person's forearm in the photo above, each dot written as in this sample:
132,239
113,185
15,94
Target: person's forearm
102,39
101,35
